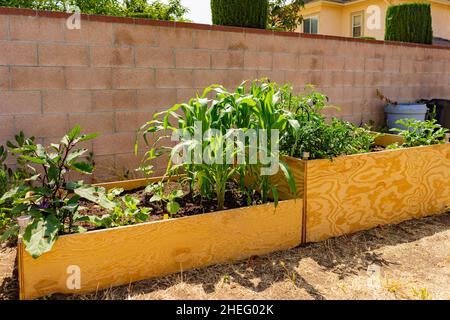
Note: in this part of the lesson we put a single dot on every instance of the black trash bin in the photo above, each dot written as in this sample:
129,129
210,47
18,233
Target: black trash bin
442,110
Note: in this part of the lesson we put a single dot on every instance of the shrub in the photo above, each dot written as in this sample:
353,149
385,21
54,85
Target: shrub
409,22
420,133
240,13
285,16
172,10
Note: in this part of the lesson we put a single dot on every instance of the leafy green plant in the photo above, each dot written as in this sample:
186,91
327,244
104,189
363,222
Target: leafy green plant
12,177
315,135
9,176
166,200
49,202
122,211
420,133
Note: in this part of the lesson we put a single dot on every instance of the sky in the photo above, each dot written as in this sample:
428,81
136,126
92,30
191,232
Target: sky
199,10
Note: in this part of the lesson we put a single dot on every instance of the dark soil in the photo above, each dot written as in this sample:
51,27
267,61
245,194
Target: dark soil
189,205
377,148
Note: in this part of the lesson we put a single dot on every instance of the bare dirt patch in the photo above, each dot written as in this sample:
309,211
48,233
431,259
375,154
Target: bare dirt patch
406,261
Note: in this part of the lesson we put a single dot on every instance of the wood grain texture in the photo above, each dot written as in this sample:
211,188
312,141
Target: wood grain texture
297,167
358,192
123,255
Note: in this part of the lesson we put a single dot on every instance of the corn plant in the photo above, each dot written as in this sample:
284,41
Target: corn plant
267,114
214,120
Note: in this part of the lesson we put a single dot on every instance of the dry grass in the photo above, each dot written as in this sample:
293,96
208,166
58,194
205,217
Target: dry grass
410,261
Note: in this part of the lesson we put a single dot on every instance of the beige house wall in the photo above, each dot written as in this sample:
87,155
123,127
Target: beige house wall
335,19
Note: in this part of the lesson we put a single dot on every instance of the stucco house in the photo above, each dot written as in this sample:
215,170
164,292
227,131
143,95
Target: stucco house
365,18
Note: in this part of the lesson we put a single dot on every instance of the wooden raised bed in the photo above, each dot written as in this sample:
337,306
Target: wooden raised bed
119,256
363,191
358,192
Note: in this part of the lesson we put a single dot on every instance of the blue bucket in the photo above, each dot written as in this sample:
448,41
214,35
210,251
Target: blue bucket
404,111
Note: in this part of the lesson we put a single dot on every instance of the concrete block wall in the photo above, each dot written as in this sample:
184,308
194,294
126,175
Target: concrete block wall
114,73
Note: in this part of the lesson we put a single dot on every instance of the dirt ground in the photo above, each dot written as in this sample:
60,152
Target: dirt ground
406,261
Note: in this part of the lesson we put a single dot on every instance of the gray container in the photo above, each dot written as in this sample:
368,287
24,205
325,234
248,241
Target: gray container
399,111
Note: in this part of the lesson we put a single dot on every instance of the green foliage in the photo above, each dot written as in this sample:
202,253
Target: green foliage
367,38
240,13
121,211
317,136
157,10
420,133
285,16
169,200
173,10
10,178
48,201
258,108
409,22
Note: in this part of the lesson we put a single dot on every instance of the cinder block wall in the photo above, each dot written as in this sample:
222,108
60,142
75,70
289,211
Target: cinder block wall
114,73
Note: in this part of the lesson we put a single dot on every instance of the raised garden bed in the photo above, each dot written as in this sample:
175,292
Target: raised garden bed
80,238
119,256
358,192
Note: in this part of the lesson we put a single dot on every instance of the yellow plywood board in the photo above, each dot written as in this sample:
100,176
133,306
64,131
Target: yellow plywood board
359,192
123,255
297,168
279,180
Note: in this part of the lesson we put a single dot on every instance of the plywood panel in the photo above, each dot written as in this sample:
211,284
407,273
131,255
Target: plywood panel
123,255
359,192
297,168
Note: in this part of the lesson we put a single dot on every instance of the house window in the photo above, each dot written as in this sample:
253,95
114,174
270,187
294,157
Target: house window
357,25
311,25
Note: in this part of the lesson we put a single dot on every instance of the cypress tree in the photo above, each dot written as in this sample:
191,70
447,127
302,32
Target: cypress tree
240,13
409,22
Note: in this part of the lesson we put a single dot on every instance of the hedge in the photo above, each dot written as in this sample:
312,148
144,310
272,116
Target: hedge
409,22
240,13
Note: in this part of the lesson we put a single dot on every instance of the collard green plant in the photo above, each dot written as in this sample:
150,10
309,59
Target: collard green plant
49,201
420,133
